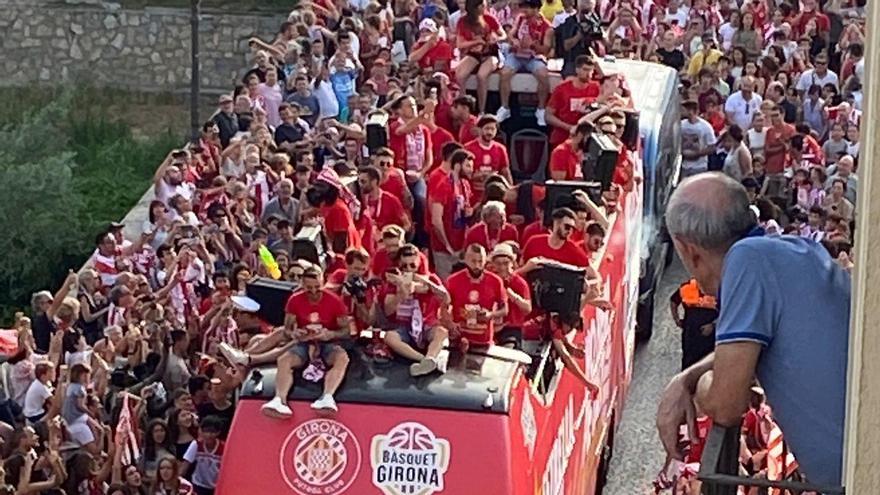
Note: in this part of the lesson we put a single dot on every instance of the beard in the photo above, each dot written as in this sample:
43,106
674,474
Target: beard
475,272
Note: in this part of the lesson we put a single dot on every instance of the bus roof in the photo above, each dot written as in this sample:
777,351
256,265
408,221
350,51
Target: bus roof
467,385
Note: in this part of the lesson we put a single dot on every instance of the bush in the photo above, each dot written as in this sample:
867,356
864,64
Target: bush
64,175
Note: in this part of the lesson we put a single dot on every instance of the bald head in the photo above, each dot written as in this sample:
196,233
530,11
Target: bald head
710,211
845,165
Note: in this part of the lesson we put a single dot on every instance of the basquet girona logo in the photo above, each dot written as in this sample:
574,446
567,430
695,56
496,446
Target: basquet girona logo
320,457
409,460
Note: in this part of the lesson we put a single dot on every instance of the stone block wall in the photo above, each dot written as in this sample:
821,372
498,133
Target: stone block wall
58,42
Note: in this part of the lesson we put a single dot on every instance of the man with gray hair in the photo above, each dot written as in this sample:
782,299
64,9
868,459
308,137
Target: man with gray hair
284,204
493,227
784,318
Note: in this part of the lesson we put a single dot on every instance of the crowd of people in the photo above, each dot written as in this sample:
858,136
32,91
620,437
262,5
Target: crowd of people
124,377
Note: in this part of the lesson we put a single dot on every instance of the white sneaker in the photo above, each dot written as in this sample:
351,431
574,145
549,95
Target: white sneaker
539,116
503,114
424,367
233,355
325,403
276,408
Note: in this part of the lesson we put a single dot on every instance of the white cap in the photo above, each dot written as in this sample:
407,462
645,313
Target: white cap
246,304
428,25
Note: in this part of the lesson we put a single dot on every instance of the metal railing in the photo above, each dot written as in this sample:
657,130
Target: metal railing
719,469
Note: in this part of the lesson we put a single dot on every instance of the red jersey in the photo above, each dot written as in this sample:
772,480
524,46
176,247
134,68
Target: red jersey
467,132
569,103
515,316
570,253
338,219
432,182
565,159
439,138
443,117
530,32
466,32
394,183
314,316
775,162
454,195
385,210
409,149
487,160
469,296
799,24
438,58
429,304
382,262
531,230
479,234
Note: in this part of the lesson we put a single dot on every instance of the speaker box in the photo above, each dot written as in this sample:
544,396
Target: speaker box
557,288
559,195
377,130
600,159
272,296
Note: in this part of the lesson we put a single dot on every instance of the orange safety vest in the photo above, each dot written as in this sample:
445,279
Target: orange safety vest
691,295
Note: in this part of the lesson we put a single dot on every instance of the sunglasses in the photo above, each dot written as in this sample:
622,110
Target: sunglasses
411,266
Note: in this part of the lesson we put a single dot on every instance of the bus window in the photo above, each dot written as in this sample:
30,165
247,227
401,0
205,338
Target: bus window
545,372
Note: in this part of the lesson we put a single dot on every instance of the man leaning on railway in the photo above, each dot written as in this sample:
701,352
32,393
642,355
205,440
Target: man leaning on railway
784,318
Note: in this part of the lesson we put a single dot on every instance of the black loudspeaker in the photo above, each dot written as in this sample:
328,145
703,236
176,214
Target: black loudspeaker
559,195
630,136
557,288
309,245
272,296
600,159
377,130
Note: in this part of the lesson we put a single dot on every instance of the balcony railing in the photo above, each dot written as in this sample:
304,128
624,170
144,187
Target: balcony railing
719,469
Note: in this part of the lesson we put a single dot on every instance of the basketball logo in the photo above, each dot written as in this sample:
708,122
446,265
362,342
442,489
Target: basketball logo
314,318
320,456
409,460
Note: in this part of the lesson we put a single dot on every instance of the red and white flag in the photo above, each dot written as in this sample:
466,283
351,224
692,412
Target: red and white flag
126,439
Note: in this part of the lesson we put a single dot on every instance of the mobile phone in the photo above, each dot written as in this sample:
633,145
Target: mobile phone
62,373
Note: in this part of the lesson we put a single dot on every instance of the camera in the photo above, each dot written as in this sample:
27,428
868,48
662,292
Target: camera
357,287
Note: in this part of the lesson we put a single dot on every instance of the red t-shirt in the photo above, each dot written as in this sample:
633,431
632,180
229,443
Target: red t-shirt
432,182
382,262
799,24
531,230
394,183
429,304
530,32
487,160
479,234
468,130
565,159
385,210
402,146
515,316
443,117
438,58
439,138
454,196
569,103
366,229
775,162
313,316
569,253
338,219
469,295
465,32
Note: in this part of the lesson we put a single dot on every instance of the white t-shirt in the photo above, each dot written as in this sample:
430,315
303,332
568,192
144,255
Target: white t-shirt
327,101
680,15
742,112
809,77
165,191
694,137
726,32
35,399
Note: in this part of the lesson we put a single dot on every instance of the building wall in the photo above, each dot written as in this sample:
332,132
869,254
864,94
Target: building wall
66,41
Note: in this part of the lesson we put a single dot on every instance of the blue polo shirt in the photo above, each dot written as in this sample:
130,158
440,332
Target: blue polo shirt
787,294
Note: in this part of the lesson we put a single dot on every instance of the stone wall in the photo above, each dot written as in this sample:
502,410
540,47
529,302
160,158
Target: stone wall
56,42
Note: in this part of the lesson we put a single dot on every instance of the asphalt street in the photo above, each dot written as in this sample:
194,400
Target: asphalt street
638,455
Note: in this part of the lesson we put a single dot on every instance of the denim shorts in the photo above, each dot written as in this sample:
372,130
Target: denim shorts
520,64
325,350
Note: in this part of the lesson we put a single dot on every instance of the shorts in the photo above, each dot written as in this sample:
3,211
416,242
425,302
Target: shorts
407,338
325,350
509,335
520,64
80,432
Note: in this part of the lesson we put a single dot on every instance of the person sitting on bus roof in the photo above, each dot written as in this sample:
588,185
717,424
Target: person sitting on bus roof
350,283
318,319
490,156
556,245
571,100
414,302
519,295
567,159
479,298
493,229
393,238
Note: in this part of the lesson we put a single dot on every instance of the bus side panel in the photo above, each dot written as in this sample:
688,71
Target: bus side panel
367,450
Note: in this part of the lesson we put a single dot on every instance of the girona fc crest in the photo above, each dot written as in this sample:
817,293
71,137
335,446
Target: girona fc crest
320,456
474,296
409,460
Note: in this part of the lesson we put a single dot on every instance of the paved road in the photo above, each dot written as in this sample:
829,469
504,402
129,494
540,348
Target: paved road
638,455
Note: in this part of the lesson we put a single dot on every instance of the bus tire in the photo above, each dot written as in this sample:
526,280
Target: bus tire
645,320
604,468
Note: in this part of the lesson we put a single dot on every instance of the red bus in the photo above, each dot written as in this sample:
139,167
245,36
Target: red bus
499,421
